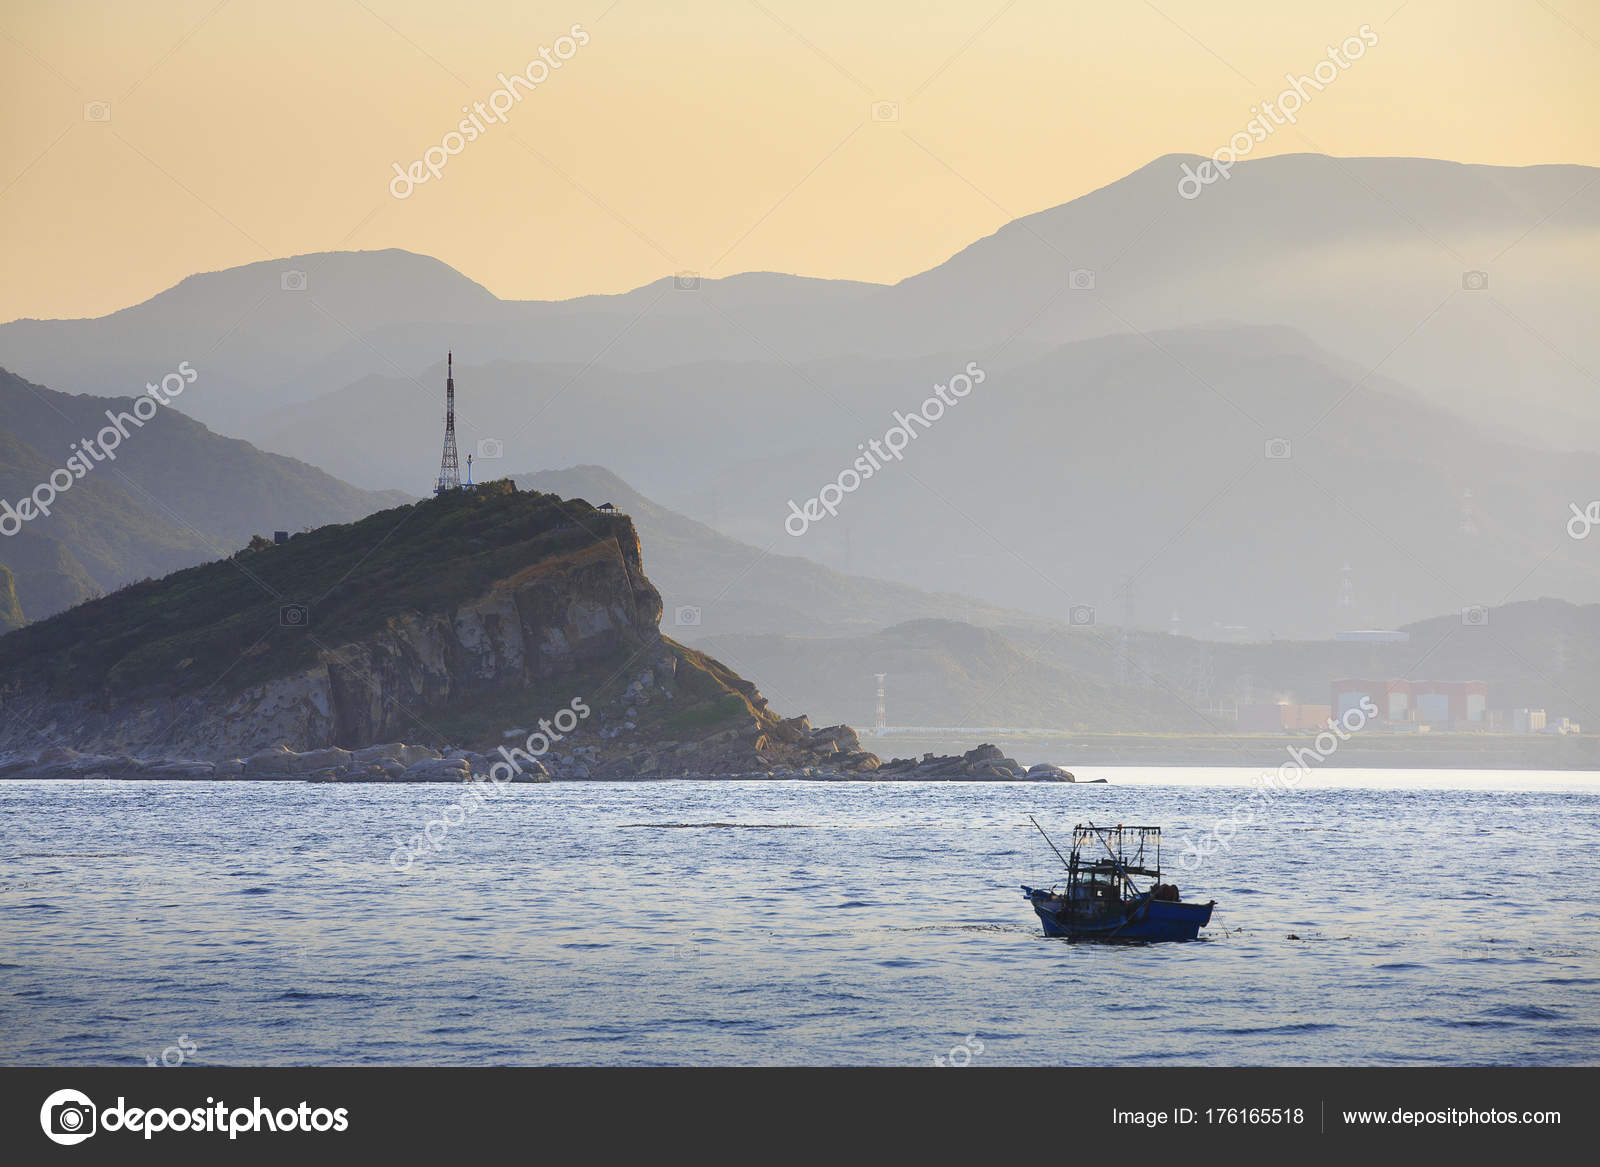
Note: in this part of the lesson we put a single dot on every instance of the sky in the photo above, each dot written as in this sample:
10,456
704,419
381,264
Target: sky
141,143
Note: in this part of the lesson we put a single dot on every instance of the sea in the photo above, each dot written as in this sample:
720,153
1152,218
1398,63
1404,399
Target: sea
1363,918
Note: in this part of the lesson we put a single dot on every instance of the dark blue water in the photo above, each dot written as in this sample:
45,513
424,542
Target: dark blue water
838,923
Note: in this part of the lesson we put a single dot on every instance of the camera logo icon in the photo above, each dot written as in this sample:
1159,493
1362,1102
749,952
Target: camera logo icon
1583,521
1081,279
886,111
1278,449
97,111
1476,616
1080,615
491,448
1474,281
294,616
292,281
686,281
686,616
68,1117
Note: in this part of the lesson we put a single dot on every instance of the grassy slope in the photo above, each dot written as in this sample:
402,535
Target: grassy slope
182,632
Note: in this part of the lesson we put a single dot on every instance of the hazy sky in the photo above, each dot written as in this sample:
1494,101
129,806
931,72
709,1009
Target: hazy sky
707,135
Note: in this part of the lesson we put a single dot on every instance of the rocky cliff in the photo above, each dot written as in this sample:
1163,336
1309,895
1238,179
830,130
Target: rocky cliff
492,624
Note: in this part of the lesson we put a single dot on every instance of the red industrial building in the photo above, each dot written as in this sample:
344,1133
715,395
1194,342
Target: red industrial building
1444,704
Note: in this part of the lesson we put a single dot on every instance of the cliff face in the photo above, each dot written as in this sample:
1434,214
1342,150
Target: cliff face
545,604
553,622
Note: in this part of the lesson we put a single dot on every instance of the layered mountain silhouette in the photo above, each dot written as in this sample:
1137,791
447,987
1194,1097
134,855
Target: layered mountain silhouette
1416,343
1369,257
1541,654
1241,477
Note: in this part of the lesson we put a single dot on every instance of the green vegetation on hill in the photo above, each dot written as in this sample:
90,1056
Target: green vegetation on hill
265,613
10,607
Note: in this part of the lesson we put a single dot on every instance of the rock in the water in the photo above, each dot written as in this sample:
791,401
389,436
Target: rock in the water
1045,772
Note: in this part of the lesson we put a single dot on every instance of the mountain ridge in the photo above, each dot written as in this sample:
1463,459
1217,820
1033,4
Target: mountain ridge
1355,252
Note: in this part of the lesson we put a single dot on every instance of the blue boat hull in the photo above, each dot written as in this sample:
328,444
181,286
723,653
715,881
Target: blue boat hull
1141,920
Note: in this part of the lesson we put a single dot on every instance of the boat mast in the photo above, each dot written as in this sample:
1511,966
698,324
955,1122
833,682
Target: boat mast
1053,847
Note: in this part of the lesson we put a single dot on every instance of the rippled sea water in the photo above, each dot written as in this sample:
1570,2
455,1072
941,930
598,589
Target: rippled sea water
785,923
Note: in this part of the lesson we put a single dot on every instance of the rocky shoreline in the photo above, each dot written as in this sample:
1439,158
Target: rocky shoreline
398,762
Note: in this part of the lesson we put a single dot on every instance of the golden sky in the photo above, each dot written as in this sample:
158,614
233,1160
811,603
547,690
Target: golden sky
708,135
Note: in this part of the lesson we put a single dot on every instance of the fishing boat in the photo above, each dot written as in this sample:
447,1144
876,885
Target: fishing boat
1101,901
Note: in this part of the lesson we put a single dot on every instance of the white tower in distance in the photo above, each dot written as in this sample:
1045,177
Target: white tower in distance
881,722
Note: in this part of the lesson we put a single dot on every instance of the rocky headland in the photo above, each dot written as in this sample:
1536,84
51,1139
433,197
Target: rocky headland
425,643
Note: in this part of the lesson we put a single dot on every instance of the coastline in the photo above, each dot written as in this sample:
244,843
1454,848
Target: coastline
1367,752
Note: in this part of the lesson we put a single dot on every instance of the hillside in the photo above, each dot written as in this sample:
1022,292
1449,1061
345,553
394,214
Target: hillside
458,621
174,494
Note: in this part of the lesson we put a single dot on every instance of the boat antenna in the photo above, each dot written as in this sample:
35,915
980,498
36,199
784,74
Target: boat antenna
1053,847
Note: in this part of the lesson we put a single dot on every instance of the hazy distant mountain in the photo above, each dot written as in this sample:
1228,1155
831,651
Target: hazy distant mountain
820,635
1055,480
175,494
96,537
250,331
1542,654
733,587
48,577
951,675
1367,256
